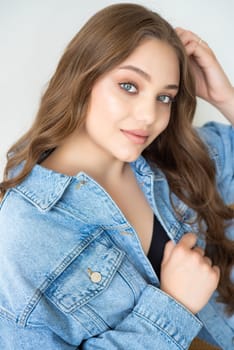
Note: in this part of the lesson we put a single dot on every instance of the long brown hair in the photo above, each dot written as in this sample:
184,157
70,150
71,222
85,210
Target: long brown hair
105,41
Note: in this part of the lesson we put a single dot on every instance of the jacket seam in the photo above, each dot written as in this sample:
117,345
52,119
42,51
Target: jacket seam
160,328
6,314
97,320
58,270
128,282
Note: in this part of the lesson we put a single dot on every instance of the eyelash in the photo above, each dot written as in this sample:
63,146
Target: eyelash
129,84
171,99
123,85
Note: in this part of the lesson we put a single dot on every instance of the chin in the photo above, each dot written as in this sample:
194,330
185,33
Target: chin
129,158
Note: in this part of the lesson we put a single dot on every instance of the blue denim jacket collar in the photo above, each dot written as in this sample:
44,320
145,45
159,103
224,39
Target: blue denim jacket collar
45,194
44,188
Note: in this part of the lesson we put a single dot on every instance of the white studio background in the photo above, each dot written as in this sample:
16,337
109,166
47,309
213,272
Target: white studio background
33,35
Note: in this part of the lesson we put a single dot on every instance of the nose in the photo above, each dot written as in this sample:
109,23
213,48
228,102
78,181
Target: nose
145,111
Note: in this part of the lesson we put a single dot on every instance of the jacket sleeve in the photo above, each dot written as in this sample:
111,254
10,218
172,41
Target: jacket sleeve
219,139
156,322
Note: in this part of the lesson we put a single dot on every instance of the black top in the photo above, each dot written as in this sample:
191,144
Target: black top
159,239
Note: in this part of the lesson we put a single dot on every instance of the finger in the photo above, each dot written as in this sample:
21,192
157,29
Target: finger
199,250
207,260
188,240
169,246
186,36
217,270
179,30
191,41
195,48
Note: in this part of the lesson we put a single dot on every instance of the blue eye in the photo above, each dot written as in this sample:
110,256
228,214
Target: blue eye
165,99
129,87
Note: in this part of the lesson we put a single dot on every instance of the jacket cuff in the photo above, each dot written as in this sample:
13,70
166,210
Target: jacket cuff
170,316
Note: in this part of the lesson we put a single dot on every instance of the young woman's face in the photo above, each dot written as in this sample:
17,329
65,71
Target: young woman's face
130,105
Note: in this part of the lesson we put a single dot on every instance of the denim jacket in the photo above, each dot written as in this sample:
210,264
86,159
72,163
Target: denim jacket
73,274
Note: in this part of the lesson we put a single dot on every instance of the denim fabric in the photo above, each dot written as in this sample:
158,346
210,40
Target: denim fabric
73,274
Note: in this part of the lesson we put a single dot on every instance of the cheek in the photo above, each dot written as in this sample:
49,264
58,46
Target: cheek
107,106
161,124
164,118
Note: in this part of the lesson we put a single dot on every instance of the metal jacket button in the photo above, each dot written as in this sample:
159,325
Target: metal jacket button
95,276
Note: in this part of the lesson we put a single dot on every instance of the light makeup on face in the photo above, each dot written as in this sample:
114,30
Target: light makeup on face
132,87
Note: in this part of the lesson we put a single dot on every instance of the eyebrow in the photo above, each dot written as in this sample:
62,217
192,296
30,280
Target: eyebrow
147,76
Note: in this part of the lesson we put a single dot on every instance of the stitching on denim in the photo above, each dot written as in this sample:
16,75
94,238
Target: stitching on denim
6,314
161,329
129,282
118,259
37,201
58,270
81,324
97,320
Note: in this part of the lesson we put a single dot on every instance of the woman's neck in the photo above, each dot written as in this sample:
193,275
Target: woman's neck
75,155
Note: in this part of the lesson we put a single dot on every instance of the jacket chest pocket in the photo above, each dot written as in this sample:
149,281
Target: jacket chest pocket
97,288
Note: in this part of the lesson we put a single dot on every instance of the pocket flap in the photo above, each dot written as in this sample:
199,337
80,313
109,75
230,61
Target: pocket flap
87,276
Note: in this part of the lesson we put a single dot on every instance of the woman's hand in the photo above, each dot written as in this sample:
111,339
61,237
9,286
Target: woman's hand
212,84
187,275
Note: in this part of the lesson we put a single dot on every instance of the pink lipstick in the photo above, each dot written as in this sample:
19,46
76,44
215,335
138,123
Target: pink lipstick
136,136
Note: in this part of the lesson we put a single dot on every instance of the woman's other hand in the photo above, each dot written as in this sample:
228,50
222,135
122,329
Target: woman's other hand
212,84
187,275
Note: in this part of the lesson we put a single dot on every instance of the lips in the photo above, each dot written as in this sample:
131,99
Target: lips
136,136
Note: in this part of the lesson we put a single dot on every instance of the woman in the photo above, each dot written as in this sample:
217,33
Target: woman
111,197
